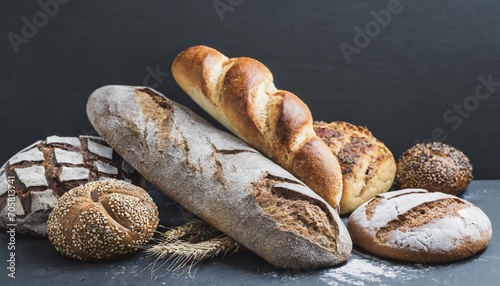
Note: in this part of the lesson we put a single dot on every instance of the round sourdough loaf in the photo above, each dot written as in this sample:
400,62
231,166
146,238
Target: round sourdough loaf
32,180
419,226
102,220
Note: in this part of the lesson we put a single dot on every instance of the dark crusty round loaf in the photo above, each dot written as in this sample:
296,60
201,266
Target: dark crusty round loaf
32,180
419,226
368,166
102,220
436,167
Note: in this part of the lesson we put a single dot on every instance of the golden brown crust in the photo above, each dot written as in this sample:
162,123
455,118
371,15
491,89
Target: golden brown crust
368,166
240,94
312,158
237,97
292,117
102,220
436,167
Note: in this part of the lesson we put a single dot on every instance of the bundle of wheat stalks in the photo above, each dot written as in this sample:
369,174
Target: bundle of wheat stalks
189,244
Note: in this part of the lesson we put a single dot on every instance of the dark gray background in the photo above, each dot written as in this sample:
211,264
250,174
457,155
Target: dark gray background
412,73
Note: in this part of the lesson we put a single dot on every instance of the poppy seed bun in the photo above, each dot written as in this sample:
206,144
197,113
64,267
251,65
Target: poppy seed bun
436,167
102,220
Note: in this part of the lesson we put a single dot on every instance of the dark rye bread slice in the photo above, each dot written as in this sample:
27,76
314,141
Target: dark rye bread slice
419,226
219,178
42,172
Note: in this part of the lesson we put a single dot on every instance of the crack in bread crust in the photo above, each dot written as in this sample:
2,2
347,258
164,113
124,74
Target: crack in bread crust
421,215
295,212
160,110
370,207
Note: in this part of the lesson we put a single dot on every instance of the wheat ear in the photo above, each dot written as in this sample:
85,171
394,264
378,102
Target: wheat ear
186,245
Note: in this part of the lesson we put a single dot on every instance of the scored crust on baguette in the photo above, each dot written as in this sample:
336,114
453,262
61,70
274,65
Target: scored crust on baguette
220,178
368,166
240,94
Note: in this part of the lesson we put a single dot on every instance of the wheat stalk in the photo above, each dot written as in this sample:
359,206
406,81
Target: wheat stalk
186,245
193,231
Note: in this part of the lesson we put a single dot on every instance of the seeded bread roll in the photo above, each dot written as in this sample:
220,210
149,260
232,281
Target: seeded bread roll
102,220
38,175
220,178
368,166
436,167
419,226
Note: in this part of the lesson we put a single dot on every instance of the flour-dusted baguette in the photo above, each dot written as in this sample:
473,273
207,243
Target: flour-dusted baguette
220,178
240,94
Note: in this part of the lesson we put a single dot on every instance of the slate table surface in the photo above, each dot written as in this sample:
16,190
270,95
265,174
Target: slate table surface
38,263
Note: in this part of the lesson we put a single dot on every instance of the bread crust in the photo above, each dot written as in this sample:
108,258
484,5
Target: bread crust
240,94
102,220
220,178
436,167
42,172
418,226
368,166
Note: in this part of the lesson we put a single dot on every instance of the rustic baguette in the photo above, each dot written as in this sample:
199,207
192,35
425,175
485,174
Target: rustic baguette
240,94
220,178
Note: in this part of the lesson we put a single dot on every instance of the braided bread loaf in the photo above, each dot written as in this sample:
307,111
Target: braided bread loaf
240,94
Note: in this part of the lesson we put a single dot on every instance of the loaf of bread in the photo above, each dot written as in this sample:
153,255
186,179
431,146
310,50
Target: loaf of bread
102,220
436,167
419,226
38,175
368,166
220,178
241,95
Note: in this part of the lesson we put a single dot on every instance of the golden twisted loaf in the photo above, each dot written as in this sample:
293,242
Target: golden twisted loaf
240,94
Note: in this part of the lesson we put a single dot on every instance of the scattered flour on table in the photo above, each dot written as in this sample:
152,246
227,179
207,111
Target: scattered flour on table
358,271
